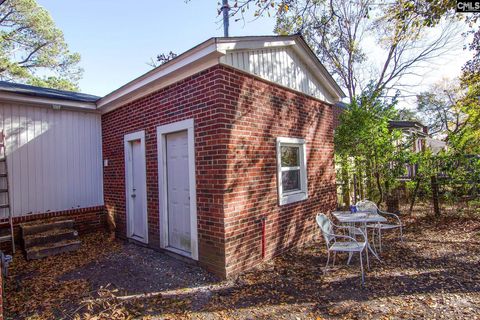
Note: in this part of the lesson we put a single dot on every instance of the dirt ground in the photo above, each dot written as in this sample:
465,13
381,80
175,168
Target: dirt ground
433,274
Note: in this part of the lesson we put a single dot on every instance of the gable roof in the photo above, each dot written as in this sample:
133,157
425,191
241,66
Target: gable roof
208,54
418,127
200,57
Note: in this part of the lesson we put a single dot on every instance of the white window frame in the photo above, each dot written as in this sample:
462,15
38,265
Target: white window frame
296,195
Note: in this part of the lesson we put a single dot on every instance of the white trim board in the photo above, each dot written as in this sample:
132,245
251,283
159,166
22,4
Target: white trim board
162,131
139,135
47,102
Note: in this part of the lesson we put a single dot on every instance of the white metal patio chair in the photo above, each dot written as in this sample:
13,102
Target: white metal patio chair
340,243
394,221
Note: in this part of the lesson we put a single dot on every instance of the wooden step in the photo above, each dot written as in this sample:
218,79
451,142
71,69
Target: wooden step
39,227
5,238
50,236
39,252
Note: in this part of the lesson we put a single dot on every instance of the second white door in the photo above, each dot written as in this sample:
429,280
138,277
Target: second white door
137,226
178,191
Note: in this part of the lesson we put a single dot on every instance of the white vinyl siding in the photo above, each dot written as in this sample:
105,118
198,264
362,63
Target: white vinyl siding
54,159
280,65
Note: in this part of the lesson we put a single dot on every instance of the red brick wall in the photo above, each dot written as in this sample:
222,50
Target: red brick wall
258,113
237,119
196,97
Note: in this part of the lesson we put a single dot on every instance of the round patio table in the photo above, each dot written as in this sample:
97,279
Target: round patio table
361,218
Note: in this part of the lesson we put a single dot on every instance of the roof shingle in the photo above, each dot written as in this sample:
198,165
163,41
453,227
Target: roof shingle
18,88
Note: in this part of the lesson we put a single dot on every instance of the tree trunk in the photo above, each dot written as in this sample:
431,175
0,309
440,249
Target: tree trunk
345,185
360,184
436,205
379,186
354,188
370,178
414,196
393,203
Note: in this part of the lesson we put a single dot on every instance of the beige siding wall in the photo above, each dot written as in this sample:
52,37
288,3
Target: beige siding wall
54,159
279,65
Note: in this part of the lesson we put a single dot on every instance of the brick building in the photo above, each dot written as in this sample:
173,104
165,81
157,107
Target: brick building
223,155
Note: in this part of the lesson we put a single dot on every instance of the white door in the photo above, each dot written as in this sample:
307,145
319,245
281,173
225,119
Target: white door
137,227
178,191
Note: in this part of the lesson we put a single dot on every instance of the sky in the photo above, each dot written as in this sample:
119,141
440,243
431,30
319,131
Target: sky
117,39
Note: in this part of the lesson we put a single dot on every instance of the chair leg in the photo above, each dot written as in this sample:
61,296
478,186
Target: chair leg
350,255
373,237
328,260
368,260
361,267
380,238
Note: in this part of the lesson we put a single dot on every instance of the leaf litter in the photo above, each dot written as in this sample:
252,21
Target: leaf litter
434,273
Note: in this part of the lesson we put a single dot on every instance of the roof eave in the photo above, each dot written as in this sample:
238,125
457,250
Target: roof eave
198,54
49,102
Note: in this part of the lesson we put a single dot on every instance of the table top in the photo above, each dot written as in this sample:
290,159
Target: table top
359,217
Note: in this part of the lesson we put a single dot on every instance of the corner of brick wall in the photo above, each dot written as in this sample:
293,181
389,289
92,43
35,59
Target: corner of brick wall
258,112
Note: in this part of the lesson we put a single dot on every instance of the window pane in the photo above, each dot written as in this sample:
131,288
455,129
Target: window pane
290,157
291,180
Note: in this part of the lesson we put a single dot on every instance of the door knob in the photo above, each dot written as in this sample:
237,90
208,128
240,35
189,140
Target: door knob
133,195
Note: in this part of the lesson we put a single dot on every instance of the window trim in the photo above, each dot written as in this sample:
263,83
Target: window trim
294,195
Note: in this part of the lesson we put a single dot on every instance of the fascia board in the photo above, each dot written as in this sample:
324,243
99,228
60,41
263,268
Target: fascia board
199,54
42,101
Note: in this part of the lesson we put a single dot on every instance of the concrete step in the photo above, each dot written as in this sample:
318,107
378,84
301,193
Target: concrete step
50,236
44,251
43,226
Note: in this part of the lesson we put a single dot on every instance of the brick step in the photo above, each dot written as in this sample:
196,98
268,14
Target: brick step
50,236
39,252
43,226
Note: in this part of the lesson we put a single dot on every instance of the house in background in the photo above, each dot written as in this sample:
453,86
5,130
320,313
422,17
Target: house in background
223,155
413,131
416,134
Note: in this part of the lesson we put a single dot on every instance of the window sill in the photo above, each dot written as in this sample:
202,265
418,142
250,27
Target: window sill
293,197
